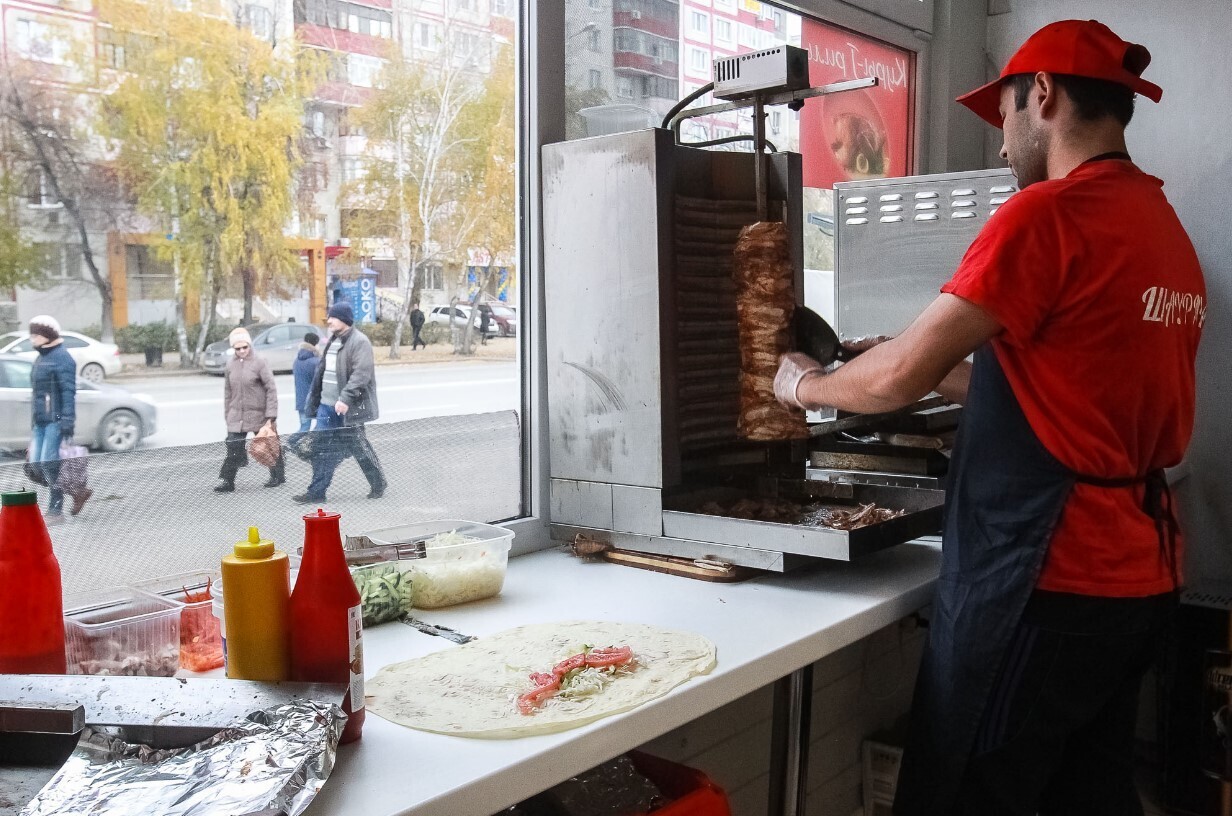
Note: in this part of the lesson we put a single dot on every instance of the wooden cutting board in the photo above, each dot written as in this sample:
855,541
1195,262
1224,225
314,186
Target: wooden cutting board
683,567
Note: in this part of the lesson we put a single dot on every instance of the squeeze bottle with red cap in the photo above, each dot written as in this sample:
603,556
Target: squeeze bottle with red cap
31,601
327,619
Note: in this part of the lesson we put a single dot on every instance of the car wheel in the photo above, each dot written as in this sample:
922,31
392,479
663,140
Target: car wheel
120,431
93,372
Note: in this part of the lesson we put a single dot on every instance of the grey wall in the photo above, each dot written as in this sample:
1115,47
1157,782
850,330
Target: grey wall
1186,141
955,137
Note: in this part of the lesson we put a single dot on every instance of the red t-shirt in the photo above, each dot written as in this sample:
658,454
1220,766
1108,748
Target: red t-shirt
1101,298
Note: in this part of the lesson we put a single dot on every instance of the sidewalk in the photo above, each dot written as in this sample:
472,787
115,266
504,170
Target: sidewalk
497,349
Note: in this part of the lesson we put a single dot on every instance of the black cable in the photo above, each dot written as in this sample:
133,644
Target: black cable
688,100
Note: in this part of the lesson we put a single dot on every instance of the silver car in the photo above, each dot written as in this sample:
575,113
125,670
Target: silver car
96,361
278,343
109,418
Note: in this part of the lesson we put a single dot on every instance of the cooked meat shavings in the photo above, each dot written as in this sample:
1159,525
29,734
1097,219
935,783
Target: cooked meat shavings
783,511
850,518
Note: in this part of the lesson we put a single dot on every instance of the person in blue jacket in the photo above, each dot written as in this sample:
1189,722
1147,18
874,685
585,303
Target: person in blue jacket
54,408
304,369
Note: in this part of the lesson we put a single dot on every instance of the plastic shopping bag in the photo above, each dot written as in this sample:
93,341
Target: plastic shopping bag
73,464
265,447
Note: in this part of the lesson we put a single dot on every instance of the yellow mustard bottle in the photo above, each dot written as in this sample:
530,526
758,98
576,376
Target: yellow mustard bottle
256,609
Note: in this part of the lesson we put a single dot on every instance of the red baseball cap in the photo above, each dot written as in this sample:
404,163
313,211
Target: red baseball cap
1085,48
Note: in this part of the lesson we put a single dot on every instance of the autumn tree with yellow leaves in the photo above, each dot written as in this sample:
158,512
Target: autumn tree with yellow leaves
204,124
439,136
489,200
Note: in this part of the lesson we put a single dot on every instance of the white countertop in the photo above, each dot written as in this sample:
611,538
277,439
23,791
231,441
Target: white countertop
764,628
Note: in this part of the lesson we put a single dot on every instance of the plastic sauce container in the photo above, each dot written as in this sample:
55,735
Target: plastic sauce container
201,647
31,611
327,619
121,631
257,617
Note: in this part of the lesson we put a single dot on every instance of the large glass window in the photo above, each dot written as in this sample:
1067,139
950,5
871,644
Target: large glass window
660,46
235,165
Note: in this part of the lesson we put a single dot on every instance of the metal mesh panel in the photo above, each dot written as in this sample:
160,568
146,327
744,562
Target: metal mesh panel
154,512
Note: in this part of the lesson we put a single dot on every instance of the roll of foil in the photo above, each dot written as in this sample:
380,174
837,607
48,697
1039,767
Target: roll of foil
271,762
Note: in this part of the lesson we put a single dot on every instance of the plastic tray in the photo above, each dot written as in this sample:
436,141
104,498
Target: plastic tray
692,792
122,631
450,574
200,632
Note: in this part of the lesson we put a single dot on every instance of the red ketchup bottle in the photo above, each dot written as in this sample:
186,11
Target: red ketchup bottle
327,619
31,603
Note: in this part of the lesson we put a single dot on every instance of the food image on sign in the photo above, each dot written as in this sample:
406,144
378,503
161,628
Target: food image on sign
538,679
856,135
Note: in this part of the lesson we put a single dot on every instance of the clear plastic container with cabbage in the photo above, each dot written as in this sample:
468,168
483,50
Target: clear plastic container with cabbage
462,560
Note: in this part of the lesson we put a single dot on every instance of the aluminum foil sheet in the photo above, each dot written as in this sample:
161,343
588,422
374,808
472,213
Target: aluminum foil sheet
271,762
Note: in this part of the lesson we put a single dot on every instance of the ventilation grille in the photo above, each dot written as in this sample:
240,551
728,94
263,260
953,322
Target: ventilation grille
728,69
925,205
1208,598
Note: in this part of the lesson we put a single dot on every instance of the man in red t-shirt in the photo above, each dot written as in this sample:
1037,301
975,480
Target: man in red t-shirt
1082,301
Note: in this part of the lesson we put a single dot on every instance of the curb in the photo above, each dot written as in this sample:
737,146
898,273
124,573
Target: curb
143,373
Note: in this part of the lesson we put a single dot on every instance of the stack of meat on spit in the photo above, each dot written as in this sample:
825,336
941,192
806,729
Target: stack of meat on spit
765,301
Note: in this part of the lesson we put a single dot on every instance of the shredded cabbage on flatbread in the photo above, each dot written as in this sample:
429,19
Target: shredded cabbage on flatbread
471,690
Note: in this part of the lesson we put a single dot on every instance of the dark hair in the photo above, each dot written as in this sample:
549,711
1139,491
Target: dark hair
1093,98
311,338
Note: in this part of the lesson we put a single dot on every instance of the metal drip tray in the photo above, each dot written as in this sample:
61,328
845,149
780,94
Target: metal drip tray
682,519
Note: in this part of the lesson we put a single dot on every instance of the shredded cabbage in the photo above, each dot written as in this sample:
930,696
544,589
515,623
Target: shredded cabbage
586,681
456,576
448,539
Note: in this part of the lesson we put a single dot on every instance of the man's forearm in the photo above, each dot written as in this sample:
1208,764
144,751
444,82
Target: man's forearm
930,354
872,383
954,386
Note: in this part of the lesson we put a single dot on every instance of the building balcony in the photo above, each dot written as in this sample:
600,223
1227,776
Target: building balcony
337,39
341,93
654,25
643,64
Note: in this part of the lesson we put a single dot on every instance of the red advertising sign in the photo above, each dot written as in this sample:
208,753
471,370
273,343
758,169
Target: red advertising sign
866,133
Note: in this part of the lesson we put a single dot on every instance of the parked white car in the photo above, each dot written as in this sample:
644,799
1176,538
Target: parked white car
440,314
96,361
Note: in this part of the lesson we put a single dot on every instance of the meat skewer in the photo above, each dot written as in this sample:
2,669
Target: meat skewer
765,302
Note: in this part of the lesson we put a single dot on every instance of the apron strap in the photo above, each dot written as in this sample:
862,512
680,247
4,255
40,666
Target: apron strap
1156,503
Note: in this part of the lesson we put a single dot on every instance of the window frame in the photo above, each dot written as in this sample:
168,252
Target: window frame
543,111
700,33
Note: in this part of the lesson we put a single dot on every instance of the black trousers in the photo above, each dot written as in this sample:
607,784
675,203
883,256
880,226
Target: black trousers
237,457
1057,735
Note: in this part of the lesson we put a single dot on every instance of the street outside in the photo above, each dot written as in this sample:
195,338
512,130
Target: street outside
190,410
448,441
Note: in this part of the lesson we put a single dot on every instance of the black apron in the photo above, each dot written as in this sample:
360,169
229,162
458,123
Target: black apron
1005,496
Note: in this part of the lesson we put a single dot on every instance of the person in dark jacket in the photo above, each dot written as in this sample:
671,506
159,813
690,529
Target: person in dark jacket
250,402
54,410
304,369
343,398
417,324
485,321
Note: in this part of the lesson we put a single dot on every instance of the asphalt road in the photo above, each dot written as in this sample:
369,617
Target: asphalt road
190,408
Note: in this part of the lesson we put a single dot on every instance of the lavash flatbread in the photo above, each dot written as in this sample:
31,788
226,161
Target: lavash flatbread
471,690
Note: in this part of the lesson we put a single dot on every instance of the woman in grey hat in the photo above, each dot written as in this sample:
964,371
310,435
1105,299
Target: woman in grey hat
250,402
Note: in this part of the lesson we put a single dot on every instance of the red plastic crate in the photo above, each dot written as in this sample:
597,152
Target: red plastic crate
692,792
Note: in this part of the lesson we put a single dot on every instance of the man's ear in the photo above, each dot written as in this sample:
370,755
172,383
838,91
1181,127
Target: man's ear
1047,93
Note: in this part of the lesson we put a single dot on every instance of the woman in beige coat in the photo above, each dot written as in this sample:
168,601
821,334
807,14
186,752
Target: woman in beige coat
250,402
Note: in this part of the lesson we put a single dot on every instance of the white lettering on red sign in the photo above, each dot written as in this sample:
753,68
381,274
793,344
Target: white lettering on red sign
891,76
1171,308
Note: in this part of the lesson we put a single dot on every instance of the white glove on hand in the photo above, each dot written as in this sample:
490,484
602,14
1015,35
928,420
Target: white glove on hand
793,368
